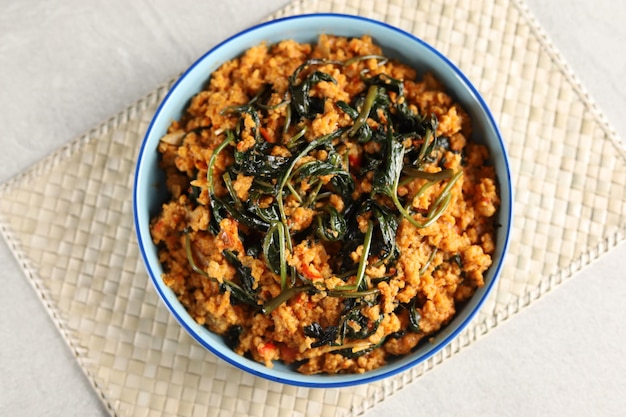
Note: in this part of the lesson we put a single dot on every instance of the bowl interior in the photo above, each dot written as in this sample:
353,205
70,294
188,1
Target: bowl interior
150,192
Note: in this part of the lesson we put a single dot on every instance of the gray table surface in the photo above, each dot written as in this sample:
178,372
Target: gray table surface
66,65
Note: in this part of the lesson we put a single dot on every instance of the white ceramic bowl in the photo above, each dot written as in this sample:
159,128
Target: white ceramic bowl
150,192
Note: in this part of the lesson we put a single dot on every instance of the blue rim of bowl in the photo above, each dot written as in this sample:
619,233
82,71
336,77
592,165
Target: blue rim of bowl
363,378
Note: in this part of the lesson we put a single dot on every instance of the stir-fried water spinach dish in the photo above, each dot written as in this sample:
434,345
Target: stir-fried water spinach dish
328,206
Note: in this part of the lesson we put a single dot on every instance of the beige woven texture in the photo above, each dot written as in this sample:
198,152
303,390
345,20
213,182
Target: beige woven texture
69,222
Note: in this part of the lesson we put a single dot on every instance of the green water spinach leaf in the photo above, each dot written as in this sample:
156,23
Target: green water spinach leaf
414,317
355,325
341,180
232,193
331,226
429,129
386,182
343,184
243,272
405,120
275,245
218,208
302,103
369,163
241,110
232,335
272,248
243,215
386,178
366,106
315,168
374,103
384,244
268,214
259,163
345,107
387,82
327,336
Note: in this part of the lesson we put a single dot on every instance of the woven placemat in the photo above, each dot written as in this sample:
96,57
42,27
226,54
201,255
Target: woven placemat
69,221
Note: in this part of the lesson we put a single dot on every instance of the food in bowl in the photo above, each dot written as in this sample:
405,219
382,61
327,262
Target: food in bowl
327,208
